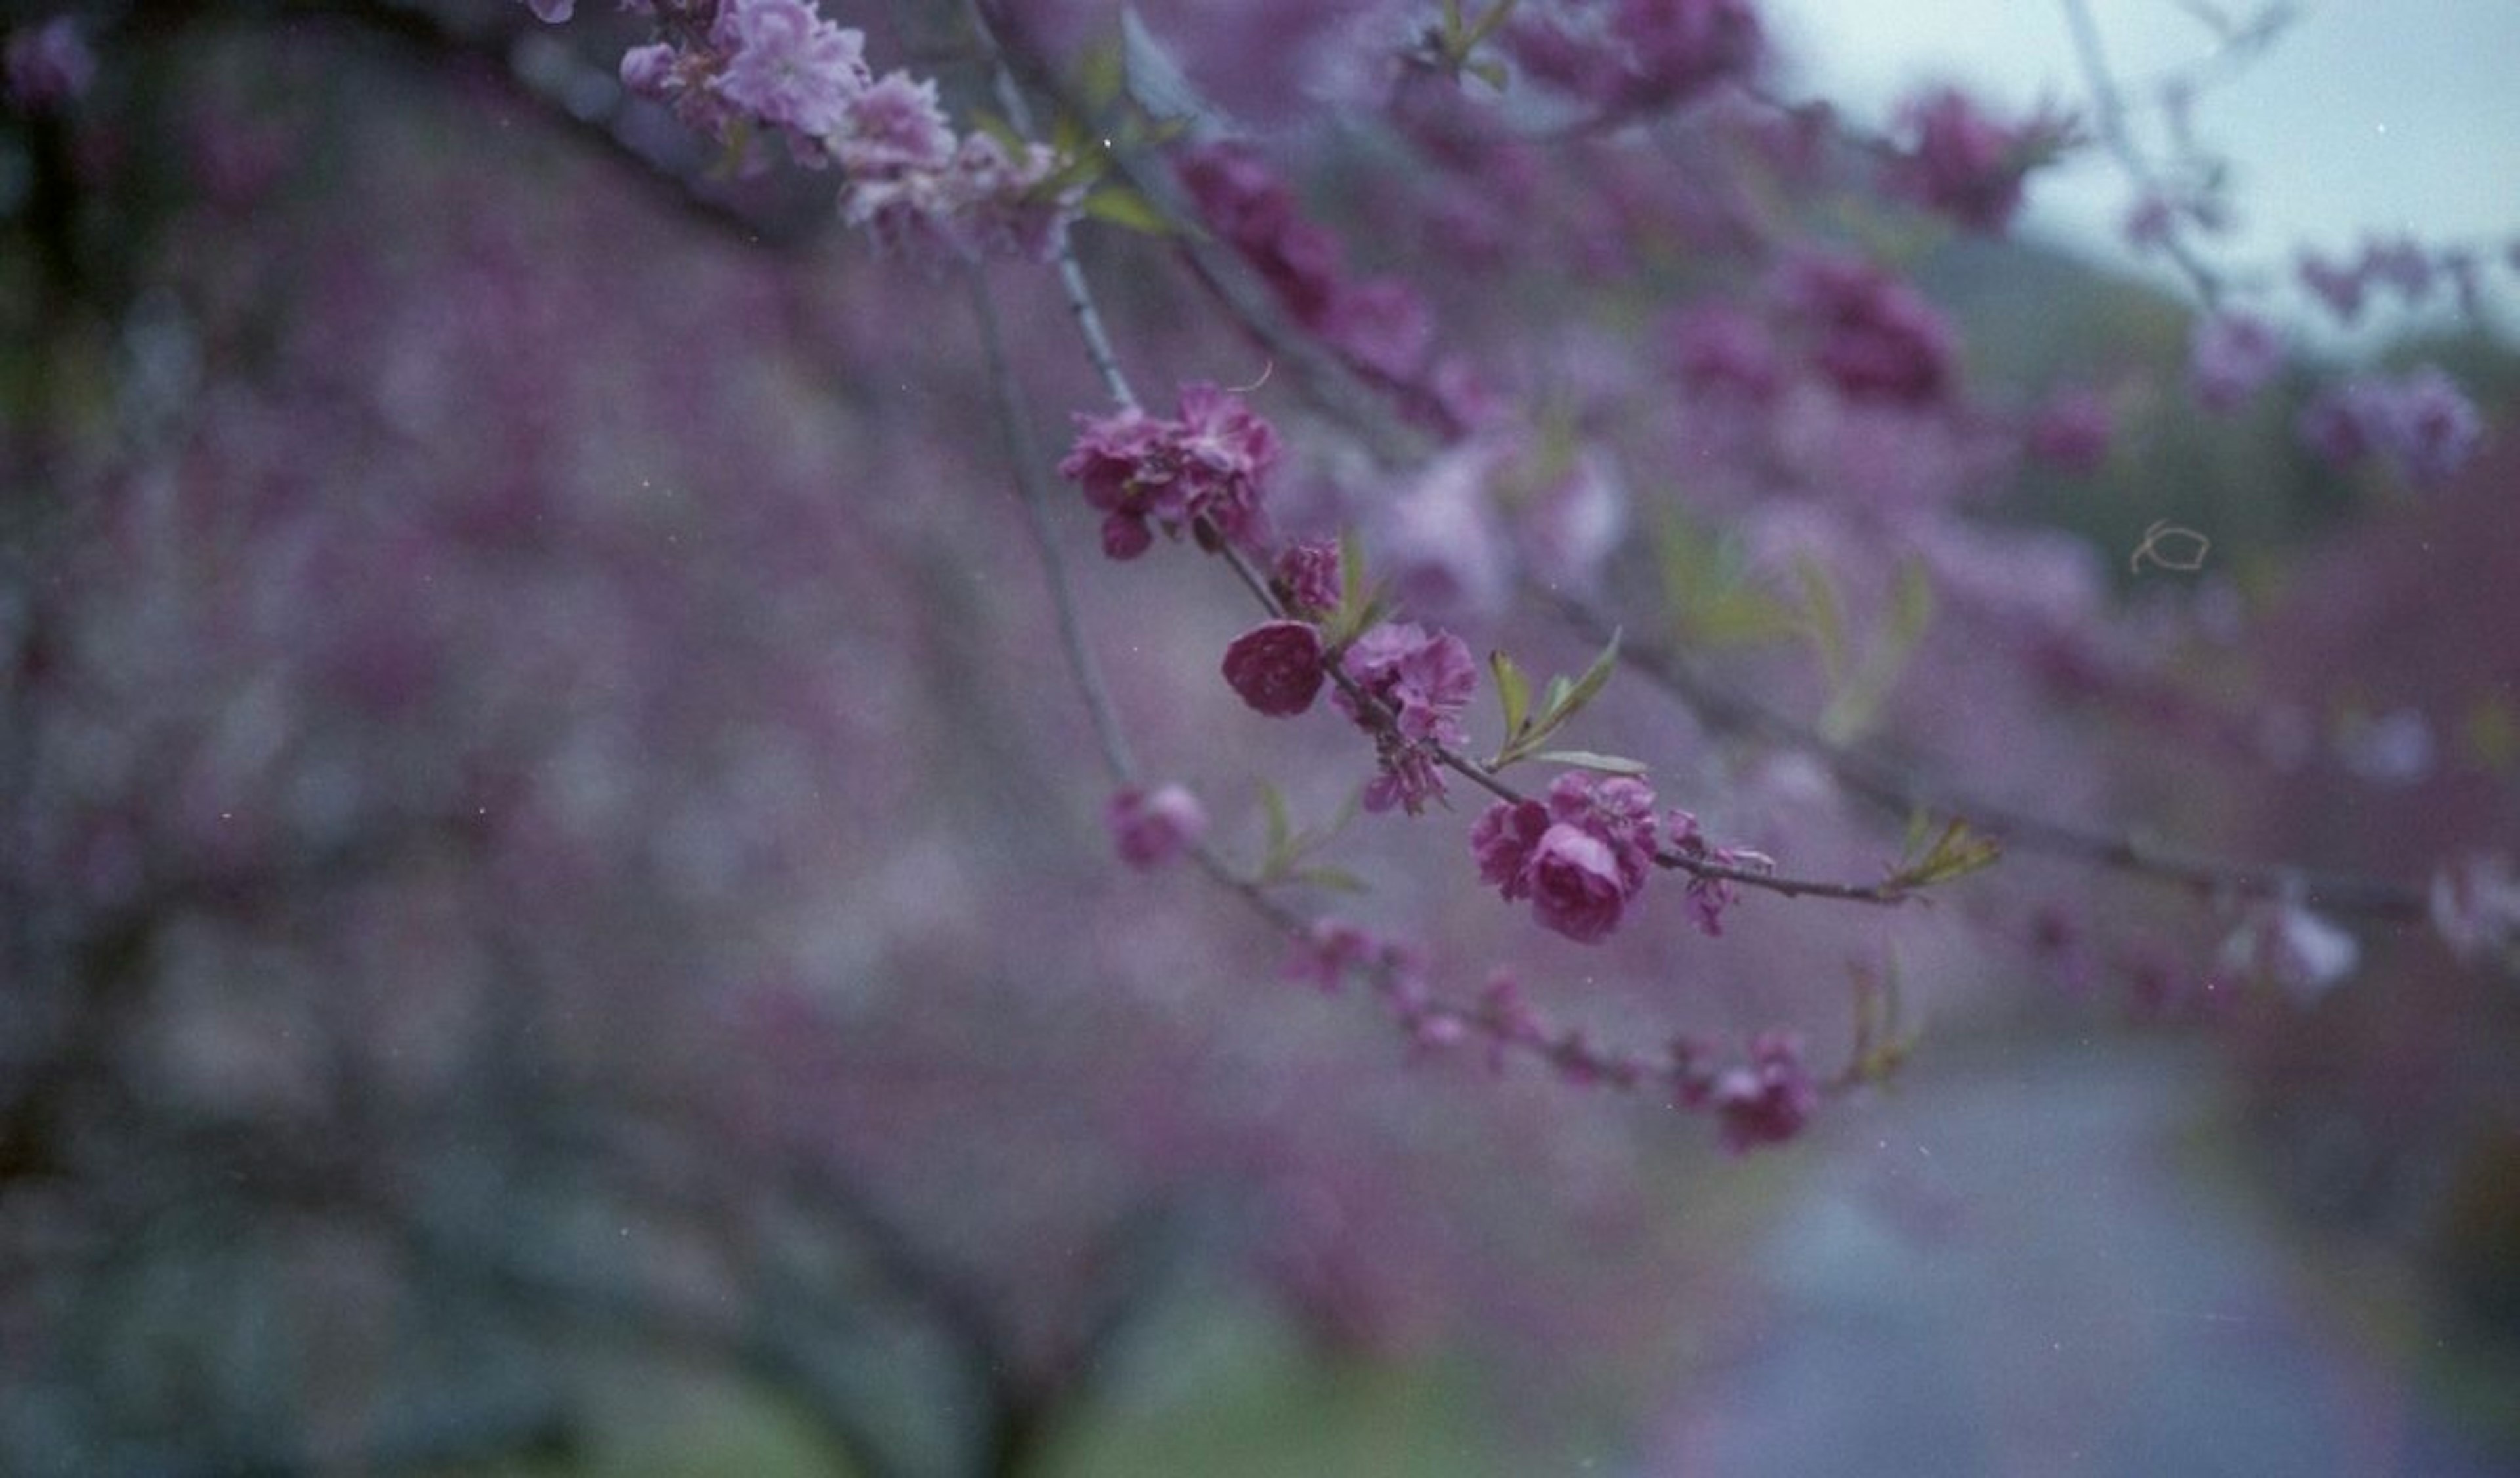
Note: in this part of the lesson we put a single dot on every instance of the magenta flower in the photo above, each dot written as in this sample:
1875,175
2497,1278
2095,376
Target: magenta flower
1966,164
1307,577
1504,840
1581,856
1150,829
1424,678
1680,48
1874,338
1277,667
1768,1100
1575,886
1209,464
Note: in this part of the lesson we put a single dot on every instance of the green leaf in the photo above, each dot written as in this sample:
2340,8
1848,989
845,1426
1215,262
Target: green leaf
1586,759
1822,618
1513,691
1273,806
1336,879
1123,207
1957,851
1589,685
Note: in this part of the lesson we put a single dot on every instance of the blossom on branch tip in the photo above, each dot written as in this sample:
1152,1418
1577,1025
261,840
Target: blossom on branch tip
1277,667
1151,827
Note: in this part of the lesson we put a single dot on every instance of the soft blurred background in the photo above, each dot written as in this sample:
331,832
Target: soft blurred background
557,920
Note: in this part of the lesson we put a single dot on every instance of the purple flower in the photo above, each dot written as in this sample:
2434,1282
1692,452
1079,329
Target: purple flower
788,65
891,128
1504,840
1150,829
2420,423
2231,355
1277,667
1966,165
1766,1101
1207,464
1581,856
1874,338
1424,678
1680,48
1307,577
1575,886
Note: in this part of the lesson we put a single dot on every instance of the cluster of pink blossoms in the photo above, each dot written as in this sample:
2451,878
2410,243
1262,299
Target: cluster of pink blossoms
2419,424
729,67
1422,680
1581,856
1200,471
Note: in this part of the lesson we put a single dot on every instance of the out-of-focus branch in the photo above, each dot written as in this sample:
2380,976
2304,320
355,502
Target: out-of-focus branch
1901,792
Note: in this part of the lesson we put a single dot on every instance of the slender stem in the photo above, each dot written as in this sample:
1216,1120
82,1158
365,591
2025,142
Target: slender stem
2110,107
1900,792
1023,451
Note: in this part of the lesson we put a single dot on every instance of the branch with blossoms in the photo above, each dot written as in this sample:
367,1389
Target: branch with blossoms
746,73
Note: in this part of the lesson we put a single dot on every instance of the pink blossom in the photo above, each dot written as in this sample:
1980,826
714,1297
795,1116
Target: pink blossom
1680,48
1425,679
1575,886
1277,667
1768,1100
1207,465
2231,355
2420,423
891,128
1874,338
788,67
1307,577
1966,165
1592,833
1150,829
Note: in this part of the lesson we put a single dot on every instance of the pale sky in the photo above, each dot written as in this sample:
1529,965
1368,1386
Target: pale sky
2383,115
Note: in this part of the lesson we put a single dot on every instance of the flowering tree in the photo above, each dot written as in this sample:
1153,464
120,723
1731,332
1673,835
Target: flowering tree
584,758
